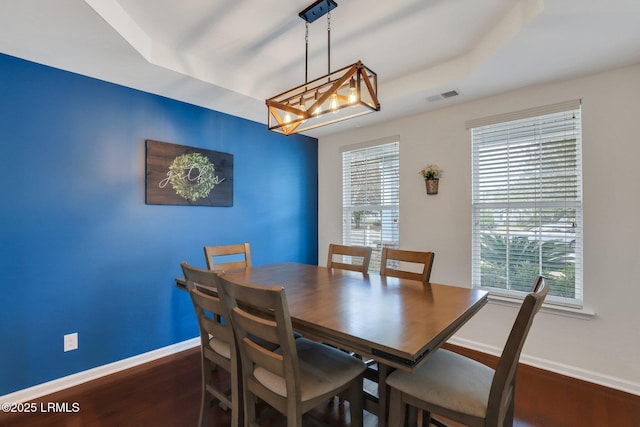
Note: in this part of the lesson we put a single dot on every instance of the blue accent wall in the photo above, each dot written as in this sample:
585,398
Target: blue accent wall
82,252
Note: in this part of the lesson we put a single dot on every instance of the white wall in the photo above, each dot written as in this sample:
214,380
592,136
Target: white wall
604,348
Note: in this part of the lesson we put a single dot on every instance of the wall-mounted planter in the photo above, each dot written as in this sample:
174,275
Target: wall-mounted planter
432,185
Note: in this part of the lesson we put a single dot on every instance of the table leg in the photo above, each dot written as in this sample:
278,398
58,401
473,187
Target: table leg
383,394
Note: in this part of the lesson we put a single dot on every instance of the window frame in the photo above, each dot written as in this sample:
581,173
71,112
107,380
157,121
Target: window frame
381,194
542,207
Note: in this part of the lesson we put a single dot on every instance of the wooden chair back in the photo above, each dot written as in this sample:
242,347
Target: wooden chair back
501,396
261,315
415,257
297,376
360,253
211,252
217,342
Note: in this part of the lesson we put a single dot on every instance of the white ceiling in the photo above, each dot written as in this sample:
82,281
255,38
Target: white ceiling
230,55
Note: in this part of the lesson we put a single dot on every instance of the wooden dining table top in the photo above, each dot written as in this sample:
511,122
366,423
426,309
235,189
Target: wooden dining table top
395,321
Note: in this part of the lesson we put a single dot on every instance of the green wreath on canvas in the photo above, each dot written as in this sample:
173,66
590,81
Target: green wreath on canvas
192,176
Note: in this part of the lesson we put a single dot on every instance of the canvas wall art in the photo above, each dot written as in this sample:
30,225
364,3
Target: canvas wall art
180,175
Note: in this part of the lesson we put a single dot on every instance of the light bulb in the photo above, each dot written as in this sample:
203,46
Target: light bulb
334,101
353,93
318,109
302,107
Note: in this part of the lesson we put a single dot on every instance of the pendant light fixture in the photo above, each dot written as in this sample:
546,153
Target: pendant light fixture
342,94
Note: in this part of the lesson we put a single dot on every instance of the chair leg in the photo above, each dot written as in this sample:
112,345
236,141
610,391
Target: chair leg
294,420
205,399
412,415
249,409
237,407
426,418
356,402
396,408
236,418
204,411
508,417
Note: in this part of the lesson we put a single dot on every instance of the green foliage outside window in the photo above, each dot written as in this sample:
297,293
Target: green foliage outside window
514,263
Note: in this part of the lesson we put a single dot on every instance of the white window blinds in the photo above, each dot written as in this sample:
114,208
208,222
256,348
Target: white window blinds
370,197
527,202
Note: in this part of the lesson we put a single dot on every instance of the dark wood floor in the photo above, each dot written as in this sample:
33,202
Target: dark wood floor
166,393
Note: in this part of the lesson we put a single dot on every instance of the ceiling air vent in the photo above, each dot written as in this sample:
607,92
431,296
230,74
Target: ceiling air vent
443,95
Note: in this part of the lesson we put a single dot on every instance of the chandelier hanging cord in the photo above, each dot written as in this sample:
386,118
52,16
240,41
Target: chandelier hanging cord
306,47
329,42
306,52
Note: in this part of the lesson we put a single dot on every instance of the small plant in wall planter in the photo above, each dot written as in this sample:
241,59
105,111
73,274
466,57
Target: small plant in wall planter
431,175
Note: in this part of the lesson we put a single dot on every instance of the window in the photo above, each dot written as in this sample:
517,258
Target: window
370,196
527,202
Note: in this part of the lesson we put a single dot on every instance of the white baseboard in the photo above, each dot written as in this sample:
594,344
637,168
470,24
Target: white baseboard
44,389
558,368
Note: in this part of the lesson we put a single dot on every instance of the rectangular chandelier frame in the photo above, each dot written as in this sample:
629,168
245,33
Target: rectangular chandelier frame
349,92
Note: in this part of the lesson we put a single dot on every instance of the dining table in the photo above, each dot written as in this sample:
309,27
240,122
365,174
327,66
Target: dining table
395,322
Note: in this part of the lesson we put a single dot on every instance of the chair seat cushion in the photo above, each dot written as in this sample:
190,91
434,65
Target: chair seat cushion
322,369
220,347
450,381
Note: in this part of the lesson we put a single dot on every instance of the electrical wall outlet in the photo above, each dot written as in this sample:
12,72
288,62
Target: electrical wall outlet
71,342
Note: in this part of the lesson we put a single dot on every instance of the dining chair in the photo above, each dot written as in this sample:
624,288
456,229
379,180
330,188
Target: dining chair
217,344
462,389
421,260
301,373
228,254
397,256
360,254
